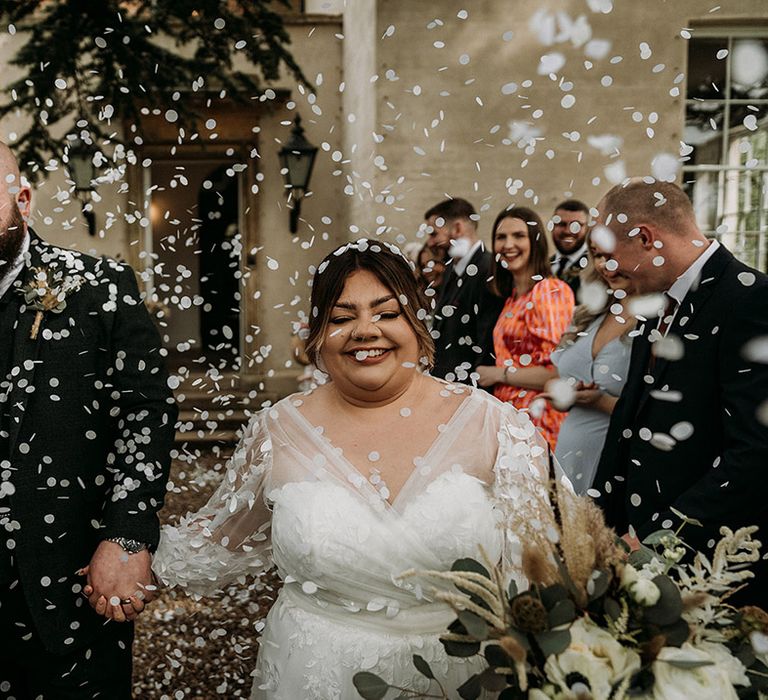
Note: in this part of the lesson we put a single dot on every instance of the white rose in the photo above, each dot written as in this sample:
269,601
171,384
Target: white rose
645,592
628,576
702,683
594,654
719,653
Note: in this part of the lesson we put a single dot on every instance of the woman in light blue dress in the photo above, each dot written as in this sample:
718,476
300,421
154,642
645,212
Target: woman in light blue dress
593,356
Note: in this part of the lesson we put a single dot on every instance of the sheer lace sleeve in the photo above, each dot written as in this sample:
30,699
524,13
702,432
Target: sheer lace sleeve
229,537
521,478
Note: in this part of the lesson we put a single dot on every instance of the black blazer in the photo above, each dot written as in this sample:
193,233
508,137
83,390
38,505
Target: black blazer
465,314
692,439
572,274
90,444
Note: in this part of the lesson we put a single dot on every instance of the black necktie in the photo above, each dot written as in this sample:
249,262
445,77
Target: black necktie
561,265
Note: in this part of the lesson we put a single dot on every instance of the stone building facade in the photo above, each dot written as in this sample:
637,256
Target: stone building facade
526,102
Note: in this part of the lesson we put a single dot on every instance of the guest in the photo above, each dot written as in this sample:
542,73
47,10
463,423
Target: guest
536,313
345,487
594,355
570,223
466,310
430,269
688,435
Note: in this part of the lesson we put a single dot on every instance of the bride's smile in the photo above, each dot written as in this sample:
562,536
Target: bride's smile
369,344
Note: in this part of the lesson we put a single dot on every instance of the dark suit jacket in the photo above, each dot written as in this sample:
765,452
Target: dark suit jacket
715,464
90,444
572,274
465,315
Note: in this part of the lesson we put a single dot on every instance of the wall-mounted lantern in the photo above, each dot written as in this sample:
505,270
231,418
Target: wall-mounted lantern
297,158
83,173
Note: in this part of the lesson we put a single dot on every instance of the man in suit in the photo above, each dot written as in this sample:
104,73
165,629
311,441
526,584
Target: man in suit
686,436
466,311
86,428
570,224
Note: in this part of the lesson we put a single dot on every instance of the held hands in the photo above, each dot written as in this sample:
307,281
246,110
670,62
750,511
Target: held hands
119,585
583,395
586,394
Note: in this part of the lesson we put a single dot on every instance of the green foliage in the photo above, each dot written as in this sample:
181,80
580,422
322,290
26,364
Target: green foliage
112,62
370,686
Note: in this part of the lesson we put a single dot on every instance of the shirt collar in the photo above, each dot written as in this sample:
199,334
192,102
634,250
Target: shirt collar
460,265
690,278
16,267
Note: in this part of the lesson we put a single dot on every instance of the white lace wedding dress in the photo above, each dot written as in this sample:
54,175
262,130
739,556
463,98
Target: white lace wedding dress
290,498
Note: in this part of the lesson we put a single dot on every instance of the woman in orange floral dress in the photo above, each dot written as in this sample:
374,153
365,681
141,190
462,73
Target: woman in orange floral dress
537,312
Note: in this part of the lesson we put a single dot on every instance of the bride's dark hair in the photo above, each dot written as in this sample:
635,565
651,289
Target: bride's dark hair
393,270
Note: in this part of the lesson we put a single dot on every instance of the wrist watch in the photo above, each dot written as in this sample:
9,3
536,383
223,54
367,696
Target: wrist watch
130,546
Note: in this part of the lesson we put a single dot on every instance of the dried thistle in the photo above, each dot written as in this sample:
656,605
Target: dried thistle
529,614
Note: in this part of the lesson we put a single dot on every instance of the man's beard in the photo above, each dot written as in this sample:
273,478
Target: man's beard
11,241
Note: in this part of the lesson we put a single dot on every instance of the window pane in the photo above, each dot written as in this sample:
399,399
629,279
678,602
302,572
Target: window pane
749,69
748,135
703,131
703,190
744,215
706,72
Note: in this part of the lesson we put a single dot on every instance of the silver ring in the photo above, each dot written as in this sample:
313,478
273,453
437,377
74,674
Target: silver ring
126,601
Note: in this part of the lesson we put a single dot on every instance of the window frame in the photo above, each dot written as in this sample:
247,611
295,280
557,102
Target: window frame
731,236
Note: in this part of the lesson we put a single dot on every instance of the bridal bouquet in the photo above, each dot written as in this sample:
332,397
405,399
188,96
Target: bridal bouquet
595,621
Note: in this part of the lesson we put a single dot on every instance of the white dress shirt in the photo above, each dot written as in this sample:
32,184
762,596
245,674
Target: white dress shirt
572,258
8,279
690,278
461,264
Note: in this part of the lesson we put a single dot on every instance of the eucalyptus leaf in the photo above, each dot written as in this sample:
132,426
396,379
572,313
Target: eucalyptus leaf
685,518
553,642
474,624
686,664
656,537
472,565
490,680
370,686
598,584
563,613
460,649
471,689
423,667
612,609
496,656
551,595
640,557
677,633
513,694
670,606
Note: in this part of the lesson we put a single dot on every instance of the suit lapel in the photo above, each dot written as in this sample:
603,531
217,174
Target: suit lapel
26,351
689,310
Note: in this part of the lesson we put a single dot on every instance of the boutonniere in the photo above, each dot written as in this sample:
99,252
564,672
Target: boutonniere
46,291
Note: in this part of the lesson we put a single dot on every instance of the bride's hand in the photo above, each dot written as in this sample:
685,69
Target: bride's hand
129,607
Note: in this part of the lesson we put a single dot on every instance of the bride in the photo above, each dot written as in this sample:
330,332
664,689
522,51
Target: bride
379,470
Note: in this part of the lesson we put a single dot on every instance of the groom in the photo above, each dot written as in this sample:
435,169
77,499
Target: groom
86,427
688,435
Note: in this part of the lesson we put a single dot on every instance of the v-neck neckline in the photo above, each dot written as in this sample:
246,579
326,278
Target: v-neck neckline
393,500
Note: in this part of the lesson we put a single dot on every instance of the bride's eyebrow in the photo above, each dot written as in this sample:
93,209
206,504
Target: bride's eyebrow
376,302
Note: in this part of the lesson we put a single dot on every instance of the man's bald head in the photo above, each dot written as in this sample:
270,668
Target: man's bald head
644,202
648,229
